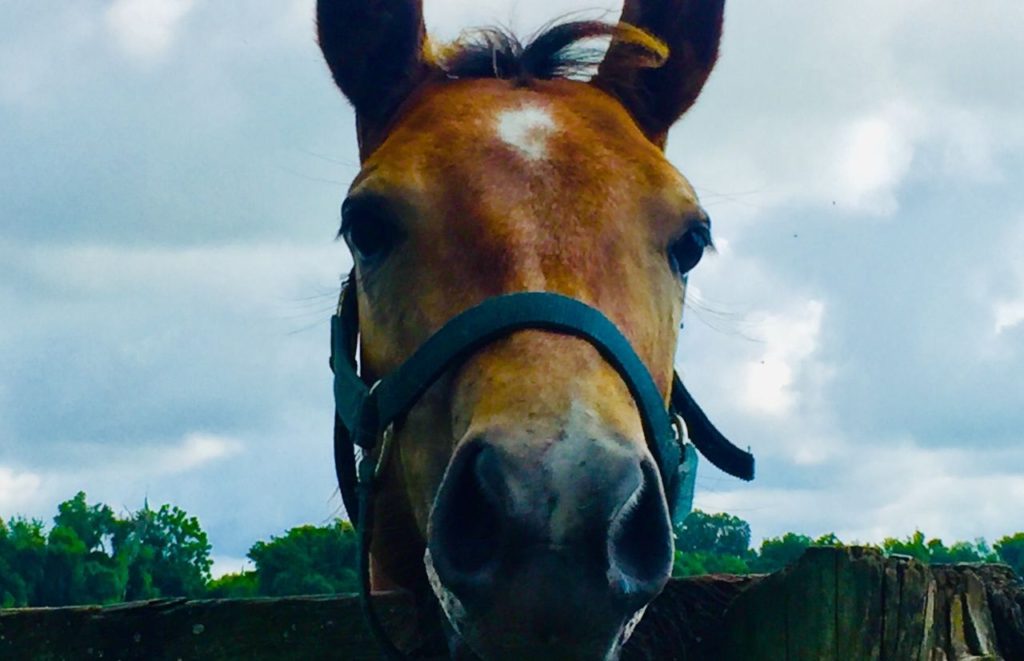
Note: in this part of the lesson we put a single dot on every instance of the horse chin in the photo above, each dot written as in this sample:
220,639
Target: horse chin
490,643
493,634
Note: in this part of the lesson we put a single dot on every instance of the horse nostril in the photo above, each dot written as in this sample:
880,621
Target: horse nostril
466,521
640,542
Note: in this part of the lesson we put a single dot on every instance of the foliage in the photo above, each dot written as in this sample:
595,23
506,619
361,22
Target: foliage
777,552
1011,551
307,560
699,563
22,558
717,534
170,553
719,543
91,556
234,586
711,544
935,551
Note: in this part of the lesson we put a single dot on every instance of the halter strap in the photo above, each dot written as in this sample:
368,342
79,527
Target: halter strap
363,412
368,411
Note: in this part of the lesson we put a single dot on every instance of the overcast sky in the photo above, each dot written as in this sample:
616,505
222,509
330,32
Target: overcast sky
170,178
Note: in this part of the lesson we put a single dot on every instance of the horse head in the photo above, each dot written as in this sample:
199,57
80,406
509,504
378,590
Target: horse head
521,489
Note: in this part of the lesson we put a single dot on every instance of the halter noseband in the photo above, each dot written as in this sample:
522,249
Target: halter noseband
365,414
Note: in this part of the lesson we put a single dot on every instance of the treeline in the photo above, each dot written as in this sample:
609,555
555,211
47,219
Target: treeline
720,544
90,555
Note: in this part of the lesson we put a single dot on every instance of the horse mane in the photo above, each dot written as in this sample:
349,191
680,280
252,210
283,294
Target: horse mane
556,51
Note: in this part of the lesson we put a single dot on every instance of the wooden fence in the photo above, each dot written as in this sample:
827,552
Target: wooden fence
847,604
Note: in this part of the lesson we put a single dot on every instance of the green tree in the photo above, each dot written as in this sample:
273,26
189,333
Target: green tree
699,563
307,560
913,546
168,554
711,544
977,551
828,539
80,566
234,586
91,556
94,525
25,554
1011,551
935,551
13,591
779,552
719,534
65,578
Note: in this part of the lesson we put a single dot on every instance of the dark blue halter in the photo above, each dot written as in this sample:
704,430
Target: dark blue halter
364,413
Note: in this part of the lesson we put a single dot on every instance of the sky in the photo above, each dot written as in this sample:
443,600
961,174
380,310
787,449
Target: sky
170,178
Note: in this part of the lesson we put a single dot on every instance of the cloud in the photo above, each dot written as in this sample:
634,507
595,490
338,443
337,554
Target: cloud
146,28
230,564
166,254
873,161
190,375
874,492
95,466
1008,314
789,340
852,104
196,450
17,490
158,342
1006,289
445,20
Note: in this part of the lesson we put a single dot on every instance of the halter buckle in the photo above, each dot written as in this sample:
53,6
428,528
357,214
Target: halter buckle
686,472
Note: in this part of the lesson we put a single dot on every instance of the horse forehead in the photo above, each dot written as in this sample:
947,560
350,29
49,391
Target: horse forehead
477,119
508,149
526,129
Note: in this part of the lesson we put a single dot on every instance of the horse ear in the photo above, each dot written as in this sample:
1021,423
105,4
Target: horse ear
374,49
657,97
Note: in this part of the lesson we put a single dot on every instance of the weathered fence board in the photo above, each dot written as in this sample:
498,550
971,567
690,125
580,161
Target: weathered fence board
855,604
849,604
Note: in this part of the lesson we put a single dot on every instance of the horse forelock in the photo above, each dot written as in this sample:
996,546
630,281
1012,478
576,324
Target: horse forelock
562,50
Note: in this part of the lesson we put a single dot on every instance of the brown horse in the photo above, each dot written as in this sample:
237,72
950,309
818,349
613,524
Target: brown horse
522,476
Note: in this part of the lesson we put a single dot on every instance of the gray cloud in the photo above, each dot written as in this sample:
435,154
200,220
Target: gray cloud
170,188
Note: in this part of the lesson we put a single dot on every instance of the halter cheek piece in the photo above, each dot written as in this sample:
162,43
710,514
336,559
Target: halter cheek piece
365,414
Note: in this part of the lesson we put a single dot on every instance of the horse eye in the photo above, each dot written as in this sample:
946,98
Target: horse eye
368,228
687,250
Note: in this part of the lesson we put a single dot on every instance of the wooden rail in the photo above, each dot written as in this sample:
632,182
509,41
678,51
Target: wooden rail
848,604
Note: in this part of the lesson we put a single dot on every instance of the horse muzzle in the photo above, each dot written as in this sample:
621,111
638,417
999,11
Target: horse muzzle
552,556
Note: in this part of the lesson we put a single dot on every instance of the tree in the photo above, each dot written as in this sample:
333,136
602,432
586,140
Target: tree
913,546
25,555
81,567
934,551
234,586
720,534
978,551
779,552
308,560
711,544
168,554
93,525
699,563
1011,551
13,591
828,539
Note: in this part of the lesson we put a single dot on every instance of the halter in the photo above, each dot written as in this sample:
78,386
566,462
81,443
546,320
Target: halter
365,415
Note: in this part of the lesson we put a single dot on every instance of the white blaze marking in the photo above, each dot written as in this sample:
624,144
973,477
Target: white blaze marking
526,129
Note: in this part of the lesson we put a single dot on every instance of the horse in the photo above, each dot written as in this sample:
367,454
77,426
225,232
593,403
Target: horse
523,485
